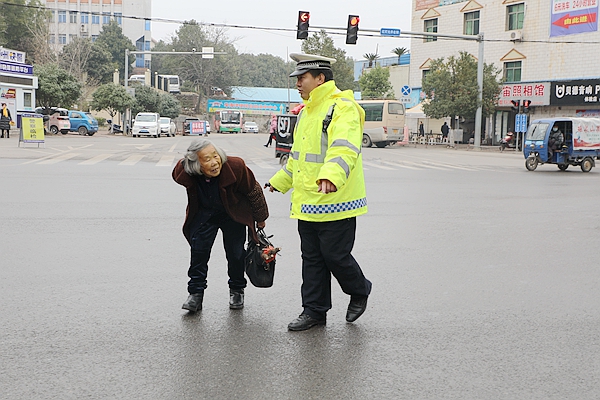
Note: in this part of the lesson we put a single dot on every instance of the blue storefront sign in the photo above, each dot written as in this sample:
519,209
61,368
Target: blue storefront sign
12,68
247,107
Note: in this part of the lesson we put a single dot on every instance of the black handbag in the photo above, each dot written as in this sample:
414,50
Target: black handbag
259,262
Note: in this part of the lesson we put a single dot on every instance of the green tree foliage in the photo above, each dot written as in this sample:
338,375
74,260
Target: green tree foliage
343,70
371,58
399,51
375,84
263,70
451,87
200,74
112,98
169,106
89,62
147,99
19,19
116,43
56,87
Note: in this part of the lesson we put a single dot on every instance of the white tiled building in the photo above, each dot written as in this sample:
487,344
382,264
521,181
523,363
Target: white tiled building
85,18
546,49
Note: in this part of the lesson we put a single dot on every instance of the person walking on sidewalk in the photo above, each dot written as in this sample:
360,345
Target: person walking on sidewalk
326,174
5,121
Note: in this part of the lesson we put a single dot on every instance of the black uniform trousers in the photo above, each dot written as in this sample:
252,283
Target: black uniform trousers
326,248
203,238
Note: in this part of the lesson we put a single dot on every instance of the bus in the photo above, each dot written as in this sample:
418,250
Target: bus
168,83
229,121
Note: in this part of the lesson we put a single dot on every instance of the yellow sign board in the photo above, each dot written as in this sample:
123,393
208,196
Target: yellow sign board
32,128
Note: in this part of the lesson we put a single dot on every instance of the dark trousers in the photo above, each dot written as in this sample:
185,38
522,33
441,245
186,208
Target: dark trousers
203,238
326,248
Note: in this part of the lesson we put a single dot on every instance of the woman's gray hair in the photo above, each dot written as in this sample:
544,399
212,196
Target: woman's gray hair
191,165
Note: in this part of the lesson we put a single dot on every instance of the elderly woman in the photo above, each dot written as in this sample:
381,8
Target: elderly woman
222,194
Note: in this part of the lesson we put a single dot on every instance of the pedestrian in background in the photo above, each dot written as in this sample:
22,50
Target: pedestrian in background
5,121
222,194
445,130
421,129
272,130
326,174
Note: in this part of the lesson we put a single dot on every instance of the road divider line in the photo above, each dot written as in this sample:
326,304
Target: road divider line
132,159
165,161
174,146
60,158
96,159
402,164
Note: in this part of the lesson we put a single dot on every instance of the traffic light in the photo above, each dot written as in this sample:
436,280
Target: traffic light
303,17
526,104
515,105
352,30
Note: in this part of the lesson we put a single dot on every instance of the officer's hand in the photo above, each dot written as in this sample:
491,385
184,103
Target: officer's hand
271,188
325,186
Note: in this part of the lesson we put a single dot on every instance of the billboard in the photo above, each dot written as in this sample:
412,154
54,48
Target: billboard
569,17
575,93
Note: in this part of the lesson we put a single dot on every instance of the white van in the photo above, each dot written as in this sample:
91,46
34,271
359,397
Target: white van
146,124
384,122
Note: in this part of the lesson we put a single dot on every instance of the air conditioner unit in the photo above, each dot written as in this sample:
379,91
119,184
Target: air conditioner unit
516,36
83,28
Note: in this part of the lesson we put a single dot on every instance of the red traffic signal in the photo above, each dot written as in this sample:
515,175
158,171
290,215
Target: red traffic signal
515,105
352,29
303,19
526,105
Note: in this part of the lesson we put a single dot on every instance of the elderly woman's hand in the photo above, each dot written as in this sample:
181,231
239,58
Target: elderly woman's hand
261,225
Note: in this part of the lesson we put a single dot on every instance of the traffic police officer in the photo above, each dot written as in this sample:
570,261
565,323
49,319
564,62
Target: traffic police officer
326,174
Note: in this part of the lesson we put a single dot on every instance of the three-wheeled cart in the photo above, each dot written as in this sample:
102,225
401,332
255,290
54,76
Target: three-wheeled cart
284,137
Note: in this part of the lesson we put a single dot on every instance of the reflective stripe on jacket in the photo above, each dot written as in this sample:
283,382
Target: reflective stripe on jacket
335,155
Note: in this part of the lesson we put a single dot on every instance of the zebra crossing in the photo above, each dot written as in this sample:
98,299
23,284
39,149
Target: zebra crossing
169,160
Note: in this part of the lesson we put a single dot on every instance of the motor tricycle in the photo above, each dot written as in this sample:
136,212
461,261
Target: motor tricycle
579,143
284,137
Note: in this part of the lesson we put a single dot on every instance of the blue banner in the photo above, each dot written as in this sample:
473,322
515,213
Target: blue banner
247,107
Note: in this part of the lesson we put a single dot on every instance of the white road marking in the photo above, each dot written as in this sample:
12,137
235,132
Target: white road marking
60,158
262,164
132,159
165,161
96,159
370,164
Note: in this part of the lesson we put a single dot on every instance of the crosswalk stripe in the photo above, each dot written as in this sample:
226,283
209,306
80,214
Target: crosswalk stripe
403,164
96,159
132,159
165,161
370,164
260,163
60,158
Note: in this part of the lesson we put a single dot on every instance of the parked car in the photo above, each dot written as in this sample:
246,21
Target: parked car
146,124
167,126
58,120
250,127
83,123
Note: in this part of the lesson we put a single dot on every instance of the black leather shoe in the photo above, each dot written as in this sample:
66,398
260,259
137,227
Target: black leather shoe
304,322
356,308
236,299
193,302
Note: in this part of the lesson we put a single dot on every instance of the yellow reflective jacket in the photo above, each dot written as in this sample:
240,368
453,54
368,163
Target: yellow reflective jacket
335,156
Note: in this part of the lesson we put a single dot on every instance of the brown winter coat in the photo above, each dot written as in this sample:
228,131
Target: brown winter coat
241,194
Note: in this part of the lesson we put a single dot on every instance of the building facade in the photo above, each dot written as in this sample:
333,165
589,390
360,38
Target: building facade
544,48
85,18
17,83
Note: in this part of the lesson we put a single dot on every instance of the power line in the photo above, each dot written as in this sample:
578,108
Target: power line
293,30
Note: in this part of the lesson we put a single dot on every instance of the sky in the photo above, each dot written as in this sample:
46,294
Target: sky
374,15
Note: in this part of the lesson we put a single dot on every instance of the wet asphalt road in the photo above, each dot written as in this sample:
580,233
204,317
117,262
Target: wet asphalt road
485,283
